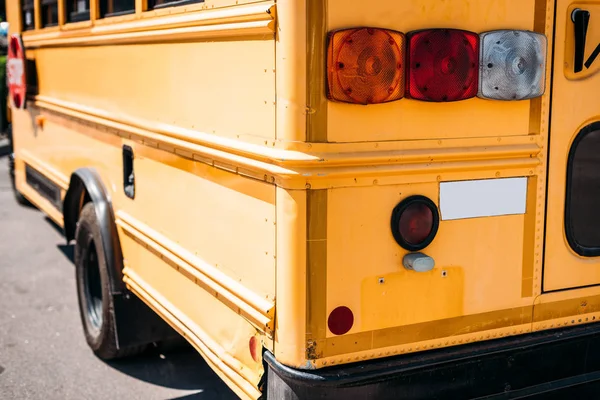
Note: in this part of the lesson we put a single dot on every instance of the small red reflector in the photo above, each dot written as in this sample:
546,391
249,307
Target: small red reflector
415,222
365,66
340,320
444,65
254,346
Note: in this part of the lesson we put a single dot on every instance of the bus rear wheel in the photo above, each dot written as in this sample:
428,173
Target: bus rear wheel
96,305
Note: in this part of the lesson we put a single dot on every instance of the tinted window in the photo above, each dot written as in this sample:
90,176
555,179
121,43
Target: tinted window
78,10
109,8
582,214
152,4
27,10
49,13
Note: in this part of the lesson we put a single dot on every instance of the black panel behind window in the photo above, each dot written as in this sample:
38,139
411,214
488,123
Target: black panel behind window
152,4
78,10
582,210
28,20
109,8
49,13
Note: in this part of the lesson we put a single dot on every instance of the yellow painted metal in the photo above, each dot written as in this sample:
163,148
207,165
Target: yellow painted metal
260,206
573,108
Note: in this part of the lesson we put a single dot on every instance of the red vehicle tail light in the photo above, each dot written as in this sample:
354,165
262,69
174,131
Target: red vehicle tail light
444,65
365,66
415,223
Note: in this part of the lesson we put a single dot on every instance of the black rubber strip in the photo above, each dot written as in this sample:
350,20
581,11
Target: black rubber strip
593,56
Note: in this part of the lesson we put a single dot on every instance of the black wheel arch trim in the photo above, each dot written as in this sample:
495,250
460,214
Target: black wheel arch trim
87,180
136,323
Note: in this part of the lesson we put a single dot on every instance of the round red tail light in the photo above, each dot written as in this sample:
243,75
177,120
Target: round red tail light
444,65
415,223
365,66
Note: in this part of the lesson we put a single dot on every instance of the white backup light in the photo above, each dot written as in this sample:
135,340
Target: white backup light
512,65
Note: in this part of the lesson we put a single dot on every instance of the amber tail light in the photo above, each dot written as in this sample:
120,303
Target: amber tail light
365,66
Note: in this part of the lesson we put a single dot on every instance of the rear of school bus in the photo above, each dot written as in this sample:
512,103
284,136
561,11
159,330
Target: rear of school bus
387,209
446,242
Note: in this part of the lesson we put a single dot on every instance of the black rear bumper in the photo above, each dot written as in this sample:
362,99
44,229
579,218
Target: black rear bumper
549,365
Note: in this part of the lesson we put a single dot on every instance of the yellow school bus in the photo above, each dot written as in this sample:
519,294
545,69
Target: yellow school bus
327,198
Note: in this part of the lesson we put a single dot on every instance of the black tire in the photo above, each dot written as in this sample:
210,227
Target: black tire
11,170
95,301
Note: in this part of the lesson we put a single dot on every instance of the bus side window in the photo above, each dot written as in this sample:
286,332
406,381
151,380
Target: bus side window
111,8
28,20
78,10
154,4
49,13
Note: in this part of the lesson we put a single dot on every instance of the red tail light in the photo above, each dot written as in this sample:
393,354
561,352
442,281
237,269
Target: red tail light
415,222
365,66
444,65
15,72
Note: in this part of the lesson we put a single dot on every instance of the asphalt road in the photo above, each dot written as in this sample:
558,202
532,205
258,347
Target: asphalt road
43,354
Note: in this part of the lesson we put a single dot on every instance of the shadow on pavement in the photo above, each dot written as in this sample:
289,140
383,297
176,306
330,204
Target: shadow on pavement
68,251
4,150
182,369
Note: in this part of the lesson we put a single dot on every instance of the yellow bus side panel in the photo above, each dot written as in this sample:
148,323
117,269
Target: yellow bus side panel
225,88
202,209
224,219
